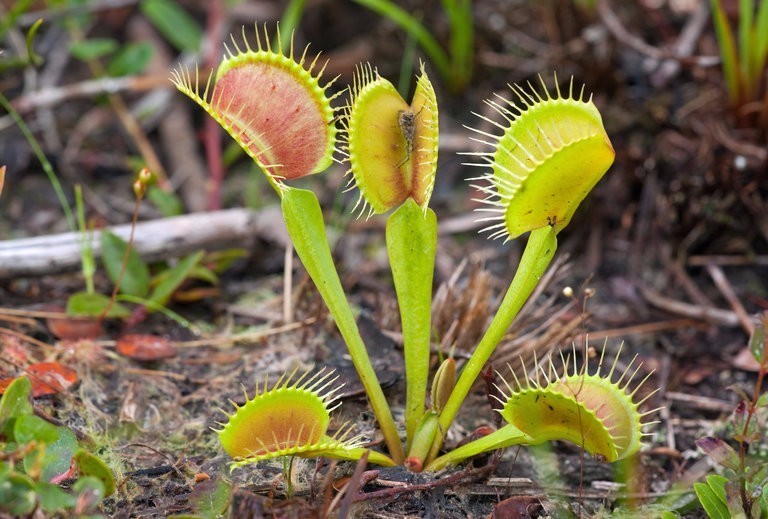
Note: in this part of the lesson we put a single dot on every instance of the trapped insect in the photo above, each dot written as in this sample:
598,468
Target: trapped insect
406,121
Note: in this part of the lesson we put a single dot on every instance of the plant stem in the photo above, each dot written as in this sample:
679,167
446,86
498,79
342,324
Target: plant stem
304,220
411,245
87,262
746,502
539,251
504,437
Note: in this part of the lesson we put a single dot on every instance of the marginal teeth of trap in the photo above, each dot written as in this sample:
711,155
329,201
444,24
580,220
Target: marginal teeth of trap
552,151
253,93
607,414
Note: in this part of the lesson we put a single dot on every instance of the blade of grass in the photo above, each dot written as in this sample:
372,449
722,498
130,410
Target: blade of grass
760,41
412,26
290,20
462,39
728,54
406,67
86,242
746,16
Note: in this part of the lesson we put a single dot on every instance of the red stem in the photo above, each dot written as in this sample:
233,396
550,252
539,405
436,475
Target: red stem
211,131
746,502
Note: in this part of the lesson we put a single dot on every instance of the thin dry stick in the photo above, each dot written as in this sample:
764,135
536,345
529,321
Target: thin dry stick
245,337
703,313
701,402
93,87
638,329
212,131
718,276
32,313
155,240
351,489
620,32
725,260
155,373
26,321
25,337
684,46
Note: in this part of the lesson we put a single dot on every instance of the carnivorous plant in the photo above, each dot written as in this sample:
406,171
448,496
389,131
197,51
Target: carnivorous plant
550,151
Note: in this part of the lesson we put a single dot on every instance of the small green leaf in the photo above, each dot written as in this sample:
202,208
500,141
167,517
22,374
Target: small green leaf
135,281
757,343
166,202
715,507
90,465
94,48
90,491
762,401
34,58
14,403
85,304
132,59
210,499
221,260
717,483
17,494
174,23
173,278
204,274
59,445
720,452
52,498
669,515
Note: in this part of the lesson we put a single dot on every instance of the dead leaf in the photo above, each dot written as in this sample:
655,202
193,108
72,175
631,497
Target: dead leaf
145,347
71,328
746,361
129,409
47,378
517,507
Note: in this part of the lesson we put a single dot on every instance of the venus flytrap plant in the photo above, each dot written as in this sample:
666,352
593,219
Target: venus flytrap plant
551,152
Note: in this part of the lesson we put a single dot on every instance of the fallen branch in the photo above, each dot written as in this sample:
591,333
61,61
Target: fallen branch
715,316
155,240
